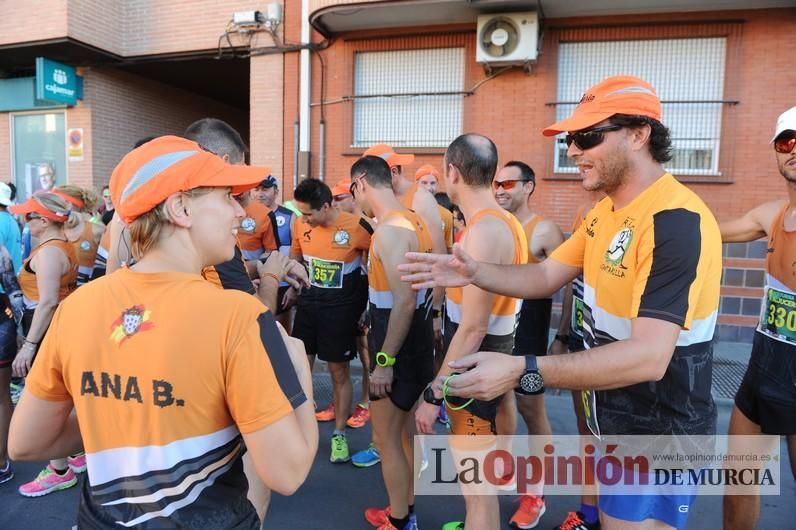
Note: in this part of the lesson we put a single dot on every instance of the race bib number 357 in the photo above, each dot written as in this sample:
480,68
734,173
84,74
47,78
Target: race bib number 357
326,274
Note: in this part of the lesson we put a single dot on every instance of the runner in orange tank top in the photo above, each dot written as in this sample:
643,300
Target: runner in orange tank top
422,202
47,277
477,319
513,186
400,339
766,399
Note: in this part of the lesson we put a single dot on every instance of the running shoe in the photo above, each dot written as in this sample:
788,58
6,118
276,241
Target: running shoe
77,463
359,418
576,521
326,414
366,457
454,525
442,417
16,392
339,449
379,517
411,524
6,473
528,514
48,481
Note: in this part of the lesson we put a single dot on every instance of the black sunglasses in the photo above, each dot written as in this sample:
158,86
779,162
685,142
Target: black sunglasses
586,140
354,182
785,142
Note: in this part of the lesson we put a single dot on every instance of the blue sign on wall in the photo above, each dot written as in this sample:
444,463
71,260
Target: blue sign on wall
57,82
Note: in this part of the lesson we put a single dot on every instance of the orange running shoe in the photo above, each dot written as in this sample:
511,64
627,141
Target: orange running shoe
377,516
359,418
528,514
326,414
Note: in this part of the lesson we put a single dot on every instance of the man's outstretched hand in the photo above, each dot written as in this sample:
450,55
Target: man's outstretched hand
426,271
483,375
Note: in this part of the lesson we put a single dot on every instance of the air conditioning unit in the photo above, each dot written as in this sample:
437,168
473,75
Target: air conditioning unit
507,39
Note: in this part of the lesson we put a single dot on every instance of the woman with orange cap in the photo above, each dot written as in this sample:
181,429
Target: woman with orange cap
85,203
161,375
47,277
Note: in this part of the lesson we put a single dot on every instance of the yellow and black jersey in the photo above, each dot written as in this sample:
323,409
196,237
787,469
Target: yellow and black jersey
333,256
230,274
658,257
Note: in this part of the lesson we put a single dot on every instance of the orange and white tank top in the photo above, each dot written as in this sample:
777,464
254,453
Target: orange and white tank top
528,228
778,313
379,293
27,277
504,309
86,250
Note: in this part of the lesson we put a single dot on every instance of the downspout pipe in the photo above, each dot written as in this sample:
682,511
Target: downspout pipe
305,85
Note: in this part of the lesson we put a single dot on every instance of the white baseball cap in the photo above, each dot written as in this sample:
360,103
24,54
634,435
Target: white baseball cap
5,194
786,121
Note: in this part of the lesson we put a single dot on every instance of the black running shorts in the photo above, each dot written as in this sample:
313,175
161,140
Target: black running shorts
328,331
414,365
767,395
533,327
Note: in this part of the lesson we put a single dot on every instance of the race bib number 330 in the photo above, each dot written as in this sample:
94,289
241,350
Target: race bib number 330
326,274
779,316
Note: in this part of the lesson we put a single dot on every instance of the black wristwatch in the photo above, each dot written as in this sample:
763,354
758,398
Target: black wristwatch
531,382
562,338
428,397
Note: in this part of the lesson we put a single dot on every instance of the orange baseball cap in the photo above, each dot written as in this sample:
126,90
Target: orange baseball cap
343,187
622,94
77,203
428,169
388,154
147,175
33,206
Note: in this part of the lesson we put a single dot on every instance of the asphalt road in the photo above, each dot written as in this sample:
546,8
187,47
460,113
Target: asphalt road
334,496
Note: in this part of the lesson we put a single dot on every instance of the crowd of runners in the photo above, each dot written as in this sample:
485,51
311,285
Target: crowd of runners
165,333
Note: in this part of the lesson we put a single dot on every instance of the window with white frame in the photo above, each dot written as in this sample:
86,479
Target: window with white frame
408,98
688,75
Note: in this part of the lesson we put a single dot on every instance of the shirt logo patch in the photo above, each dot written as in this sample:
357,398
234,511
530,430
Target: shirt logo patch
248,225
85,245
590,228
131,321
342,238
619,245
280,222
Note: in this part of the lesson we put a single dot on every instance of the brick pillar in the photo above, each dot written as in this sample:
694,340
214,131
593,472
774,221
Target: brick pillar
266,115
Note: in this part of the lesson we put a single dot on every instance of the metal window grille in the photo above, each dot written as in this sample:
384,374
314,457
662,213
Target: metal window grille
688,75
408,98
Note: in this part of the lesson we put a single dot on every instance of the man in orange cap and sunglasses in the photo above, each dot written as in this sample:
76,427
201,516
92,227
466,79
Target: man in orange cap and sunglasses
650,254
